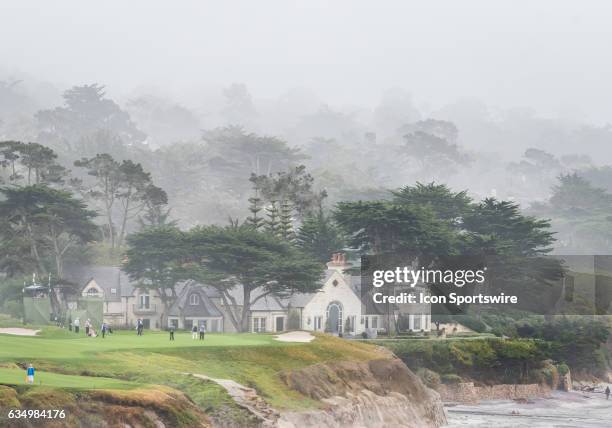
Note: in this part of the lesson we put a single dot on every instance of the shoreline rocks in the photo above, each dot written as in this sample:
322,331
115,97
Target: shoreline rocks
468,393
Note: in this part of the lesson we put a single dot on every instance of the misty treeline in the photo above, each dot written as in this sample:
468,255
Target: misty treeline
152,159
91,183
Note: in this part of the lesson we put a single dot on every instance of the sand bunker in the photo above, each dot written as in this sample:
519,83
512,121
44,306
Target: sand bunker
295,336
19,331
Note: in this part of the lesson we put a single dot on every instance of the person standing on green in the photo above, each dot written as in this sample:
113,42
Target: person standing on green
172,332
30,374
77,324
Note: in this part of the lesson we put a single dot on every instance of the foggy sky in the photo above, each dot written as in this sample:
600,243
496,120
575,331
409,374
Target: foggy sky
553,56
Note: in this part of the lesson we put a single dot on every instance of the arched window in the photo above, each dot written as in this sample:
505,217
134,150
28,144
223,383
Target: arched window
194,299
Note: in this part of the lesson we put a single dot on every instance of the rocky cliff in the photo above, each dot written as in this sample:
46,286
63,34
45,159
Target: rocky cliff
377,393
374,394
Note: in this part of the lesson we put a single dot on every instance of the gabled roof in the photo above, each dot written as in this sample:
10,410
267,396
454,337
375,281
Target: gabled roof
300,300
205,307
107,278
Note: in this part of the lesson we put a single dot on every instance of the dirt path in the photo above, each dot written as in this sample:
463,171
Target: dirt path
247,398
19,331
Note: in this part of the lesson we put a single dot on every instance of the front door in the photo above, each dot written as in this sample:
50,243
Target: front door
334,318
280,323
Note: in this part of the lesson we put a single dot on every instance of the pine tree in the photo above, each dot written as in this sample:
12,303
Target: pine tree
272,224
255,207
286,231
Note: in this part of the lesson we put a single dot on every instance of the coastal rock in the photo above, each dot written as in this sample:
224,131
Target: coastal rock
377,393
468,393
565,382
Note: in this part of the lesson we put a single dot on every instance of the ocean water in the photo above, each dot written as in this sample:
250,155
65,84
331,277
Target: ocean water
562,409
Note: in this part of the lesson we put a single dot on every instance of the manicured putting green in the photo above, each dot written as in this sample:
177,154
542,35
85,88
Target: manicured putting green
23,348
15,376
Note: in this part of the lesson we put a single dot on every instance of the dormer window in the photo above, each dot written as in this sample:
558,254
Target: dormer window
194,299
113,291
335,283
92,292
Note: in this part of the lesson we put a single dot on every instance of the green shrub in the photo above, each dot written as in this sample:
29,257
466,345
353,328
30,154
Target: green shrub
563,369
451,378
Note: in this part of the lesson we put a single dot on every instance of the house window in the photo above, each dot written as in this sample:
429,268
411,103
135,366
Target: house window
194,300
259,325
144,301
92,292
375,321
113,291
417,322
318,323
214,326
188,324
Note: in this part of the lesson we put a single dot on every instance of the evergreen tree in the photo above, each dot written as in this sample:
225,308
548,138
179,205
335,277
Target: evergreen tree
29,163
240,260
272,225
320,237
285,226
157,259
254,220
156,214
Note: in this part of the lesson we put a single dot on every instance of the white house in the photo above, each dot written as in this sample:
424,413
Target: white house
123,302
336,307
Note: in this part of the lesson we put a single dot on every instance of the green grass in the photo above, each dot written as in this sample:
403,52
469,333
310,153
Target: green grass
59,344
255,360
16,376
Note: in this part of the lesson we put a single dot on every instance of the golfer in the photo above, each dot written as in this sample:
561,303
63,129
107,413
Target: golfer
172,332
30,374
87,327
194,332
202,331
77,324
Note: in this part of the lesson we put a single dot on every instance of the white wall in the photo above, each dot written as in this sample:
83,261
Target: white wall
270,319
342,292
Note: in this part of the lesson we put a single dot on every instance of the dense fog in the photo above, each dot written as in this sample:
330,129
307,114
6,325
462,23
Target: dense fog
505,99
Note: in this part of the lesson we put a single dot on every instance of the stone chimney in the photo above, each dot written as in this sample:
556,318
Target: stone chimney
338,262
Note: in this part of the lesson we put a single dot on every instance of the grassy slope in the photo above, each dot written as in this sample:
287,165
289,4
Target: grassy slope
16,376
254,360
